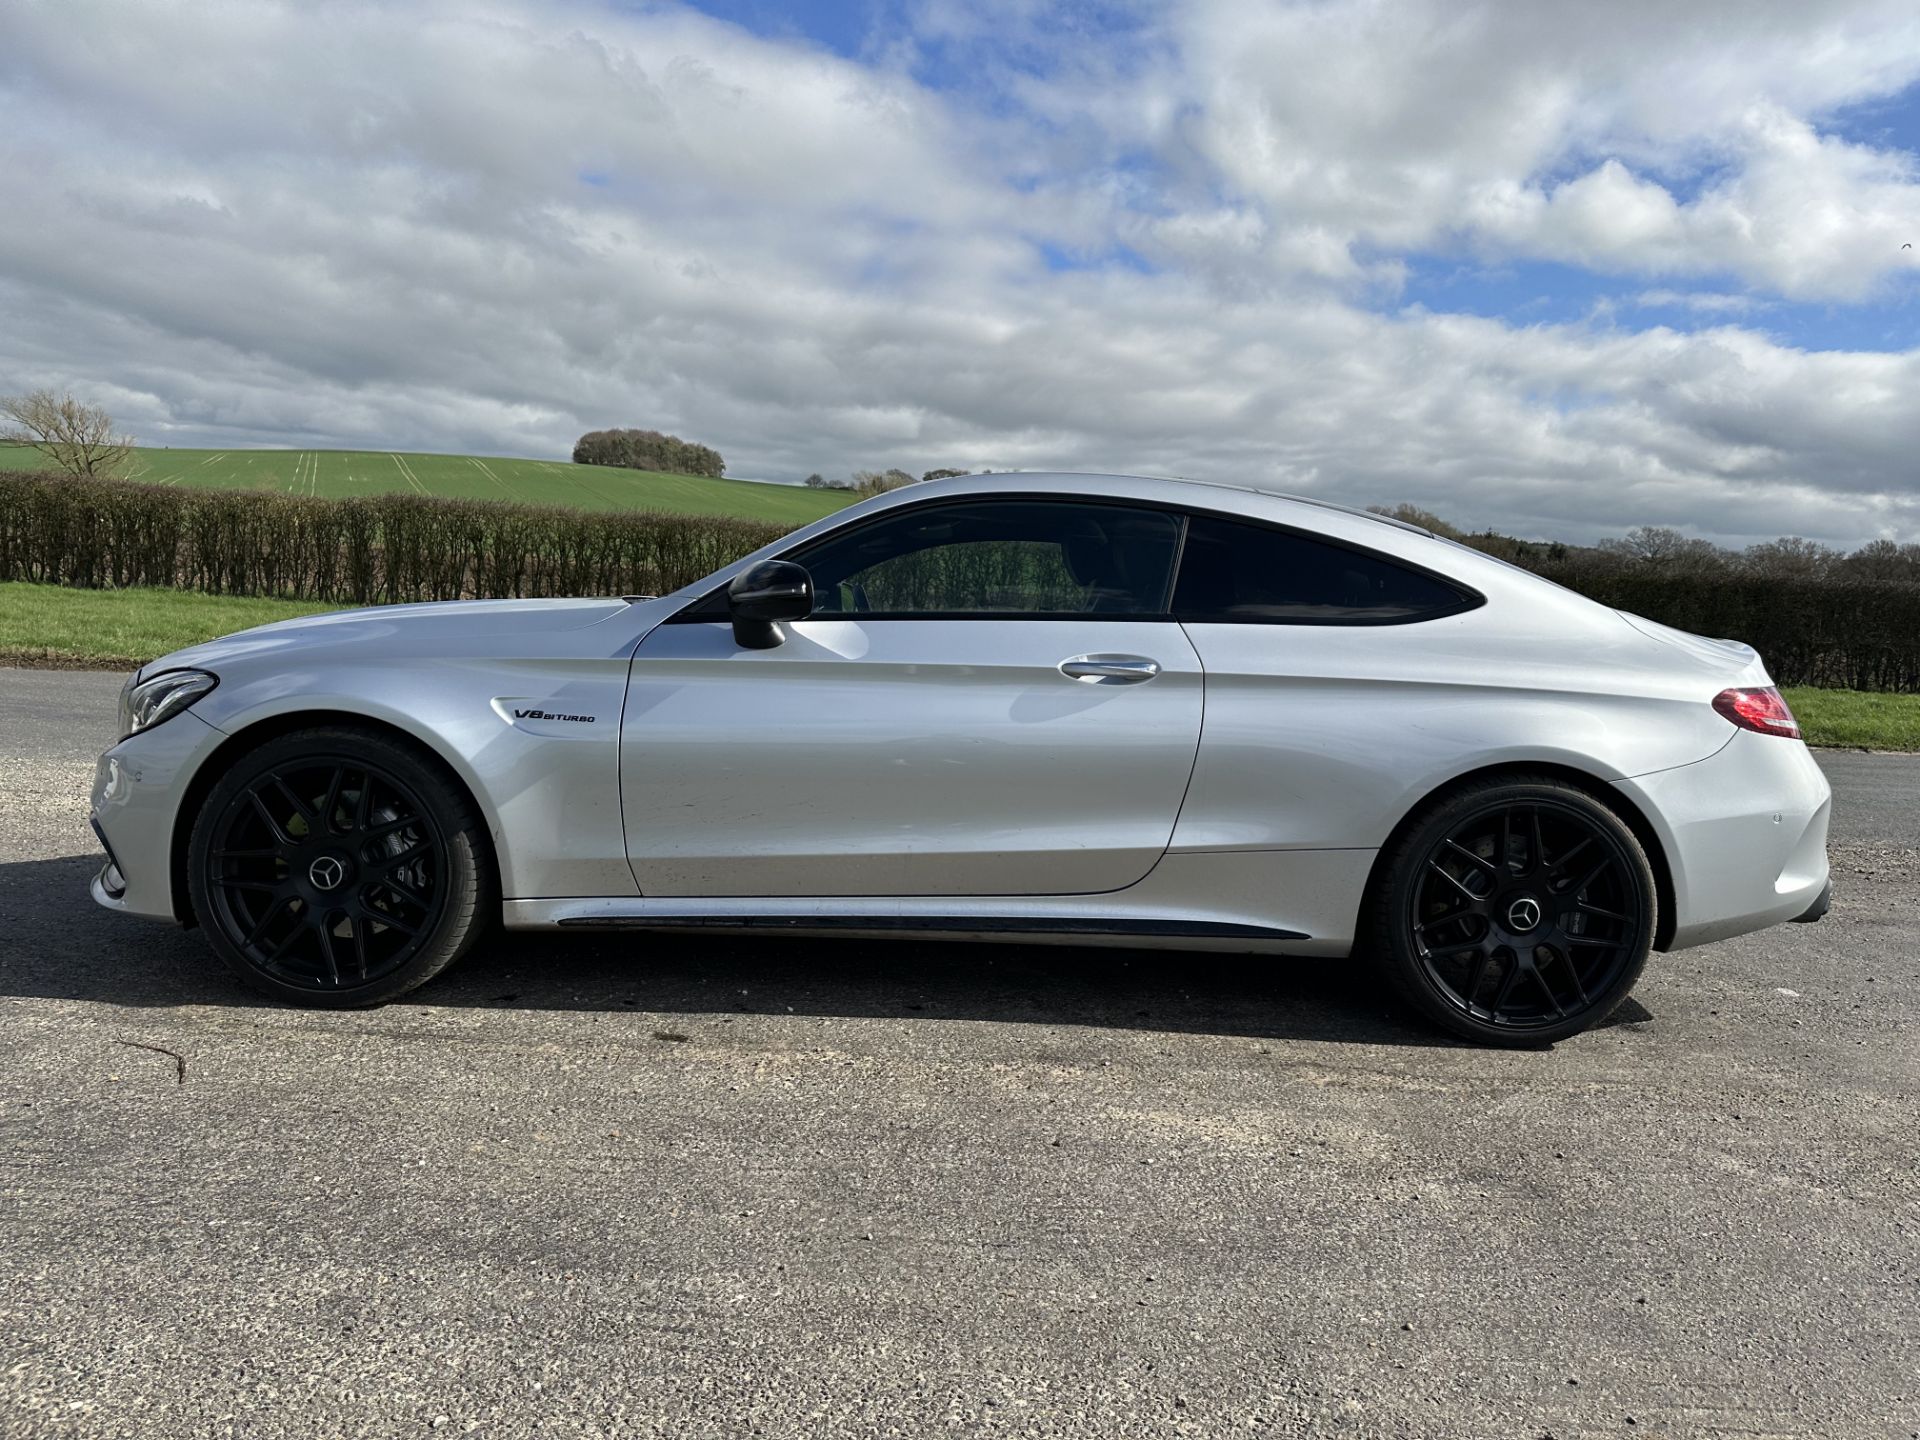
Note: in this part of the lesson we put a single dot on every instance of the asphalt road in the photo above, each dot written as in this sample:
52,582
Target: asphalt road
704,1187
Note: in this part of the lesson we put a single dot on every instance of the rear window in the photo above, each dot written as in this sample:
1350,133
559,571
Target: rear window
1236,573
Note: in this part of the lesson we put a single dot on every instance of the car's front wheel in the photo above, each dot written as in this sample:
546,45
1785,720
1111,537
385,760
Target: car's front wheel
338,867
1516,911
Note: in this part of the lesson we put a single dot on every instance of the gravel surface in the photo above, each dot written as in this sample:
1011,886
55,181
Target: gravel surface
706,1187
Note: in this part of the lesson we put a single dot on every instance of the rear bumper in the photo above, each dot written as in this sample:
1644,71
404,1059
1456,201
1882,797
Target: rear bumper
1818,910
1745,837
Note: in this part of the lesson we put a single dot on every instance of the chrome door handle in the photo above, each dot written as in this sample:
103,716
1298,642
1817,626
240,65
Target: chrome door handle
1110,669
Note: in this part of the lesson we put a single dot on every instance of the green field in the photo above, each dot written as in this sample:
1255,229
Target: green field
339,473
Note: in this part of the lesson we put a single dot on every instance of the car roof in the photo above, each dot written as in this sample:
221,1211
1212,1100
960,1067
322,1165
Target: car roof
1178,486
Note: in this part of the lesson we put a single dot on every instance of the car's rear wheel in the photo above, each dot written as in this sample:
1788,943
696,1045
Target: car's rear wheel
1515,912
339,867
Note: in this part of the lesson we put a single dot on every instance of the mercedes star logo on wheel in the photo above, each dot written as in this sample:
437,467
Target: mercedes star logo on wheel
1523,914
326,872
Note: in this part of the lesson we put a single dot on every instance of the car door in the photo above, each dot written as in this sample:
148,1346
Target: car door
990,698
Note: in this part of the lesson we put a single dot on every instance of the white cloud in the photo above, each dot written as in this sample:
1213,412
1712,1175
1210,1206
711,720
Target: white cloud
1567,131
488,226
1803,215
1709,302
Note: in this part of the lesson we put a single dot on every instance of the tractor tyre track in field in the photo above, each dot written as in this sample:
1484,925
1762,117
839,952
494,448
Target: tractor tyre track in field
406,471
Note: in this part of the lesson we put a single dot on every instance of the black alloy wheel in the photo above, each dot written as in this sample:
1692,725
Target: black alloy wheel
338,867
1517,912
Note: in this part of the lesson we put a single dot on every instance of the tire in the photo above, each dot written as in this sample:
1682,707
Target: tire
1515,911
339,867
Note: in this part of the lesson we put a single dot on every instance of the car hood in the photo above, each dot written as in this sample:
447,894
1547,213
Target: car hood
400,629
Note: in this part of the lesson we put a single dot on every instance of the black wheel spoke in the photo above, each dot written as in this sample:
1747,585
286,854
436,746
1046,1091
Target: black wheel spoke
1507,984
1453,880
286,942
279,832
264,887
357,925
1561,864
1603,912
1477,979
386,827
403,891
267,917
1592,875
1472,857
332,800
1537,858
326,948
1564,961
392,922
300,806
1546,989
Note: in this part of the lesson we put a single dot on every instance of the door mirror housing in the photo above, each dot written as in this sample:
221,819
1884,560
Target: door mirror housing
760,598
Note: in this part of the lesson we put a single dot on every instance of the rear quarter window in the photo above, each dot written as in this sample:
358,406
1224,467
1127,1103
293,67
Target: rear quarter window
1233,572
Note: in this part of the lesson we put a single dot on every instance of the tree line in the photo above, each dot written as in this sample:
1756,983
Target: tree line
865,483
1661,549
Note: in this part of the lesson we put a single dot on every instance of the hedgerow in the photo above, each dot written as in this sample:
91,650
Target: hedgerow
363,551
1824,630
1846,634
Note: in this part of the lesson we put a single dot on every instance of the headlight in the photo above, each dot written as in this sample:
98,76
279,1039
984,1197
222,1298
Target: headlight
145,705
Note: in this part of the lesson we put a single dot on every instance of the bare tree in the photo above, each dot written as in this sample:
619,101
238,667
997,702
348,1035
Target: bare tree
867,483
1662,545
1414,515
1791,556
80,439
1882,560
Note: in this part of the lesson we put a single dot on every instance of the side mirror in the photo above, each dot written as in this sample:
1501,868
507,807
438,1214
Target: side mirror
760,598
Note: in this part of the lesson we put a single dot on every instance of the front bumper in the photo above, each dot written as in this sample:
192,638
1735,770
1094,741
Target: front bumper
138,786
1745,836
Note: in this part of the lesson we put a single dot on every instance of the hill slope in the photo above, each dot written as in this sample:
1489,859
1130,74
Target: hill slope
340,473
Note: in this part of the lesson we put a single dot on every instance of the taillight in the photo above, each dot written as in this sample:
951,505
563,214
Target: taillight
1763,710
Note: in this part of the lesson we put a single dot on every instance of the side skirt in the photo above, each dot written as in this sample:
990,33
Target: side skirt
1291,902
1148,927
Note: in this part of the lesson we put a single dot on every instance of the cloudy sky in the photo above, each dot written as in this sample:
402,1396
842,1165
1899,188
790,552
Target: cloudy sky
1558,268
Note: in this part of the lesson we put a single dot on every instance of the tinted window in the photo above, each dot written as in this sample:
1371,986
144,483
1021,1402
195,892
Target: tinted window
1248,573
1029,557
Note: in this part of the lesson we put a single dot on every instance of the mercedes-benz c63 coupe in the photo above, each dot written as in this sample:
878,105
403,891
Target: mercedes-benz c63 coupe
1064,708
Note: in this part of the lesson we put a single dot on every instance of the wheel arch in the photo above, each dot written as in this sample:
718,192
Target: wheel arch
272,727
1598,790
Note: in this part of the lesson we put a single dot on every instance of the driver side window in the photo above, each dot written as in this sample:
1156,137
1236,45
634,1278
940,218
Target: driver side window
998,558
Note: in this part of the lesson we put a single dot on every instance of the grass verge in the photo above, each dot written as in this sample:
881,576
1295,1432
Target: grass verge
1856,719
52,626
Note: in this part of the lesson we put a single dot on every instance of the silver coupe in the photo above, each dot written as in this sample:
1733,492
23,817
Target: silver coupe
1075,709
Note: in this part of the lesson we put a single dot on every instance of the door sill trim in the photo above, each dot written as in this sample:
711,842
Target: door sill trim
1154,927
